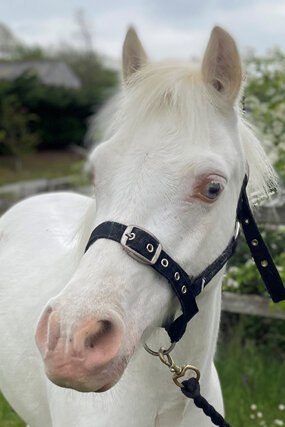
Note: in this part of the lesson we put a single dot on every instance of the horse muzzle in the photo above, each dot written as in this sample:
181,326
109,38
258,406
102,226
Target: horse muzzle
89,359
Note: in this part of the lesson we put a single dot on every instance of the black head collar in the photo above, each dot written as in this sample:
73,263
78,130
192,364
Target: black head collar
145,248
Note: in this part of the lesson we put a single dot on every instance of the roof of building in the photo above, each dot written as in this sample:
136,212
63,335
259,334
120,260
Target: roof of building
50,72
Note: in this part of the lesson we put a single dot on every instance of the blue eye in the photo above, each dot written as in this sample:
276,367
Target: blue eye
208,187
212,190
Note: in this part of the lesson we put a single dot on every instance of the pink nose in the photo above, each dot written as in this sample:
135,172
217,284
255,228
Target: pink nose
81,359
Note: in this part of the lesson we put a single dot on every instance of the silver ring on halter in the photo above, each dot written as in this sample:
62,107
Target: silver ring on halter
161,350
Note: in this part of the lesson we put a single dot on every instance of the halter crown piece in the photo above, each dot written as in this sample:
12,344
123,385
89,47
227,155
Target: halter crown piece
146,248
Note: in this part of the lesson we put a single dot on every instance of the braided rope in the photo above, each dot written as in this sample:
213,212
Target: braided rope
191,389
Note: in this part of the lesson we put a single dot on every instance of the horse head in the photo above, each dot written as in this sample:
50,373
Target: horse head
174,164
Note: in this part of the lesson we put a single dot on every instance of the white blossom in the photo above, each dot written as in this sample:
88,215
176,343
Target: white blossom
277,127
231,283
233,269
278,422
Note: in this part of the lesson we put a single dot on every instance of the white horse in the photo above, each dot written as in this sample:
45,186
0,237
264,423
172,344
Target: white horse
177,131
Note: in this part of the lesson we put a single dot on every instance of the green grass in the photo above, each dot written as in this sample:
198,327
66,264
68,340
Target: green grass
249,375
8,417
50,164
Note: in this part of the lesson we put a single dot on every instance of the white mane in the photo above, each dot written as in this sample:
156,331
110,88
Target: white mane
177,86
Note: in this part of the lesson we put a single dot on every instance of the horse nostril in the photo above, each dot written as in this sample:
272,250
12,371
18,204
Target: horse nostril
98,341
95,338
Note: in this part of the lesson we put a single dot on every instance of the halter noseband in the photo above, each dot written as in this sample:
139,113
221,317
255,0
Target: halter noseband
147,249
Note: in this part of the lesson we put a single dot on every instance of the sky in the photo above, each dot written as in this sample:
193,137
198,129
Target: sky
167,28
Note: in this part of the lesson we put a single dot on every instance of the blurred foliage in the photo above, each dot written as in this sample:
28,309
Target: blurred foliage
266,332
44,165
16,137
252,377
62,112
96,81
13,49
28,53
264,103
8,42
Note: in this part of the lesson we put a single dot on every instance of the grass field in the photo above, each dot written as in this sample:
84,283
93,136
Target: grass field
249,376
48,164
8,418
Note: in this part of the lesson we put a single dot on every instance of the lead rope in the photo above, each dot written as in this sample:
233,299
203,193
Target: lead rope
191,388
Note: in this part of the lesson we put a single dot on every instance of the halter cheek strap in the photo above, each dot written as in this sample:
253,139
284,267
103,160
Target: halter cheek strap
146,248
259,251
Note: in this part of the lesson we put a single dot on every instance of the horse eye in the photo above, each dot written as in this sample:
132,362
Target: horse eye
208,187
212,190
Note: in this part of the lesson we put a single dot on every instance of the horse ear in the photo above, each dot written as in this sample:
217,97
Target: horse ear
221,66
134,56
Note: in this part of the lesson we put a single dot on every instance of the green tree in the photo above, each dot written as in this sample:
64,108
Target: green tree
28,53
13,49
62,112
15,134
97,81
8,42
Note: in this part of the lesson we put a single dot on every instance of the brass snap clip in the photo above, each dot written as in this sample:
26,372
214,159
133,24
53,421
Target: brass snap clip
178,371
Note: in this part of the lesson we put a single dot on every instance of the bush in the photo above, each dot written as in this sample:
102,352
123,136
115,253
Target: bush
16,137
264,102
62,113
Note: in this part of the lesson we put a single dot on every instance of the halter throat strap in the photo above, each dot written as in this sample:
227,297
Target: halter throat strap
147,249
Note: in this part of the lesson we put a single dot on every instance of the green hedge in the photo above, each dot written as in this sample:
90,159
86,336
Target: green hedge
61,112
264,103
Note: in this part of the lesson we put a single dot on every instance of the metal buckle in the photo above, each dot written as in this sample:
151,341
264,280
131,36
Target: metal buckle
133,253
